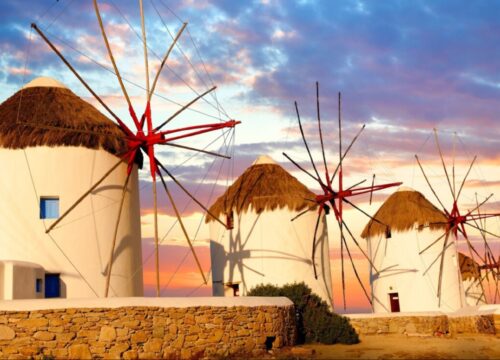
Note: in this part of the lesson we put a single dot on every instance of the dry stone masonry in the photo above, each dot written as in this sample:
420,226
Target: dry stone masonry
145,332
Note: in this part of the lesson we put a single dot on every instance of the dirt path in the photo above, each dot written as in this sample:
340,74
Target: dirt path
404,347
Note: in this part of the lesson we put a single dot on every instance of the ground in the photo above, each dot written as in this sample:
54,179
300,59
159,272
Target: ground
404,347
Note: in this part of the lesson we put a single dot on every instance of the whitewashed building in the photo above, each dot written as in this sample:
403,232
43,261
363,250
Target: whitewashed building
264,246
404,279
53,147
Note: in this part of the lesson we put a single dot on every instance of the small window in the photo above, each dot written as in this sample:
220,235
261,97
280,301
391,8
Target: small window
38,285
52,286
49,207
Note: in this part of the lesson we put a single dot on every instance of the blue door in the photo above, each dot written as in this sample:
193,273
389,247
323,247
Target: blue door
52,286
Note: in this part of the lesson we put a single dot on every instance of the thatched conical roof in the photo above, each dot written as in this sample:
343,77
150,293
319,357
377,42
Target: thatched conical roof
404,210
46,113
468,267
263,186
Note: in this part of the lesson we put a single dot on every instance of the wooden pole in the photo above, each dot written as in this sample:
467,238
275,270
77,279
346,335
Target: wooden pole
444,165
301,168
80,199
110,53
441,265
347,151
165,60
428,183
314,243
145,48
157,252
320,131
198,150
184,108
178,215
72,69
189,194
305,143
115,234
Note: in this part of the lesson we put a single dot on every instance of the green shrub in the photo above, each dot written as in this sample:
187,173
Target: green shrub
315,322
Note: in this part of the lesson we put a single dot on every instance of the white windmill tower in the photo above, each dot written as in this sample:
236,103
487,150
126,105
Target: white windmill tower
262,245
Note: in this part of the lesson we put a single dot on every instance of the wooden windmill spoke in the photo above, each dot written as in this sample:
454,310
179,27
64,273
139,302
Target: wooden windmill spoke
430,186
197,150
164,60
444,166
84,83
301,168
341,252
157,250
314,243
347,151
320,131
359,247
441,264
356,272
471,246
363,212
184,108
216,218
465,177
439,255
433,243
453,163
480,204
471,249
113,62
81,198
115,234
359,183
145,48
304,212
483,230
307,146
181,223
342,269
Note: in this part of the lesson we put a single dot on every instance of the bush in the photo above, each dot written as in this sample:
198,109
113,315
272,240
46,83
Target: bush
315,322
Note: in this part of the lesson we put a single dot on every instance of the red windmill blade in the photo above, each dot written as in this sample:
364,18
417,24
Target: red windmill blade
334,199
144,140
458,220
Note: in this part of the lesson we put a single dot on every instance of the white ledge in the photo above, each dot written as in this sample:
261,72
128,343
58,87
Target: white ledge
488,309
165,302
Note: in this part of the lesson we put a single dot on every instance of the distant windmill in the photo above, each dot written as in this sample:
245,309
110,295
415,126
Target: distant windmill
459,221
335,198
144,139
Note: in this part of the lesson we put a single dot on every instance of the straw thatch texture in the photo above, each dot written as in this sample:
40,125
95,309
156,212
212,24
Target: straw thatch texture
263,187
50,116
468,267
403,211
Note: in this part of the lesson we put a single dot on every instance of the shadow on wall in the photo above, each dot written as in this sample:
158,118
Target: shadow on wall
235,259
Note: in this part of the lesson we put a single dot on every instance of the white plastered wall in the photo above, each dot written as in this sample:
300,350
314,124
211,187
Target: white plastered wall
270,249
403,271
78,248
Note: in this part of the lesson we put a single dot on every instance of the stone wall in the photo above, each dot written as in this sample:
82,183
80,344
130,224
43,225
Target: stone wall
145,332
426,324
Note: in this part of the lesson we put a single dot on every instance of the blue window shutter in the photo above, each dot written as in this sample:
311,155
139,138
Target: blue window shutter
49,208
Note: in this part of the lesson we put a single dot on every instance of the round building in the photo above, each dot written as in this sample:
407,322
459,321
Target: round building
53,147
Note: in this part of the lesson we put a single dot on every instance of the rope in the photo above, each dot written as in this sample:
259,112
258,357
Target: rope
158,57
65,43
214,95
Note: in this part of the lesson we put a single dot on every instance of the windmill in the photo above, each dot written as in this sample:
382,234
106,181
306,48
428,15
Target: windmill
458,221
144,138
335,198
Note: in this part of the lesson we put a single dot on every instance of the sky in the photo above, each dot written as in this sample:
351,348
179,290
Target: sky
403,68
